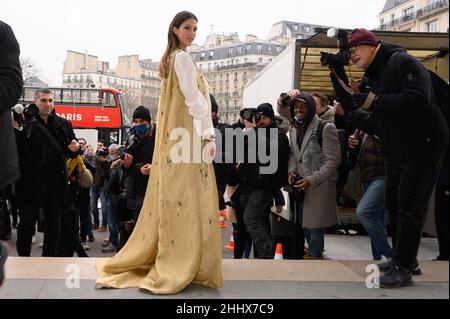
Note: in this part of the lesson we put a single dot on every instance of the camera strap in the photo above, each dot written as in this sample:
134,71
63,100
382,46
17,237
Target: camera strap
342,83
51,138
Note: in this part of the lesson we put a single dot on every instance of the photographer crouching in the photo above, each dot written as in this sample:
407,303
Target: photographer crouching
43,141
137,159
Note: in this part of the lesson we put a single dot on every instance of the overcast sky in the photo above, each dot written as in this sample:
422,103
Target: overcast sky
46,29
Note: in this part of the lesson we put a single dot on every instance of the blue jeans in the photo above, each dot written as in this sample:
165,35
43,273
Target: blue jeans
113,224
372,214
97,192
316,241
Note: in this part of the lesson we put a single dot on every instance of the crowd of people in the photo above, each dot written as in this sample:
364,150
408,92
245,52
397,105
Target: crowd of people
299,161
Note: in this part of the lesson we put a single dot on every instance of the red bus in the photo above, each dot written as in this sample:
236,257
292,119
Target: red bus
88,109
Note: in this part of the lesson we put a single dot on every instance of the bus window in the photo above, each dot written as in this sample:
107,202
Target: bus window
114,137
109,100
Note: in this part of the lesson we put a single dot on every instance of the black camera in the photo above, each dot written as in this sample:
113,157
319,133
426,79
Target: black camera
341,57
25,113
249,114
102,152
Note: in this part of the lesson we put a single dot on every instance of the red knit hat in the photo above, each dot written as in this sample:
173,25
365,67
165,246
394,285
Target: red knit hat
362,36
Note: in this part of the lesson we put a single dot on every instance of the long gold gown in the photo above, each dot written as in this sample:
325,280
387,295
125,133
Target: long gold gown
177,239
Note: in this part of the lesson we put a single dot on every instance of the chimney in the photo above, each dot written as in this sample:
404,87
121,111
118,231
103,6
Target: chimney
250,37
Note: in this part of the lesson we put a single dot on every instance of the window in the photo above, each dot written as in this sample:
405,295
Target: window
260,60
382,24
235,76
230,52
209,67
259,48
278,50
100,79
432,26
295,27
211,54
239,50
81,78
249,48
408,13
202,56
306,28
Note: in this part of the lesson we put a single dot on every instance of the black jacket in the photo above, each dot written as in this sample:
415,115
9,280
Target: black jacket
42,165
404,113
250,175
10,90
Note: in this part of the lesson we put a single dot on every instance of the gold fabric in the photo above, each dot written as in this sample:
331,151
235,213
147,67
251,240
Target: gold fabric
177,239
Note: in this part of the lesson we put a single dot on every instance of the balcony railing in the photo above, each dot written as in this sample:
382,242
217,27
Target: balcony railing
421,13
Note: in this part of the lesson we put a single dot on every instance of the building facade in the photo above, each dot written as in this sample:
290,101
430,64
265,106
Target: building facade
414,16
138,79
230,65
287,31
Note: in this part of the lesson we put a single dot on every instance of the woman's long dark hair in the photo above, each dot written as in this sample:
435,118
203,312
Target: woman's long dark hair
172,40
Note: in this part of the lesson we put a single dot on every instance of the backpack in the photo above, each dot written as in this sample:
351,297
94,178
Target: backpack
439,85
342,140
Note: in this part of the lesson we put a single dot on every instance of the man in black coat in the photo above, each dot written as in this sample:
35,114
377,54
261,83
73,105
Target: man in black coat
395,101
43,141
137,162
260,179
10,89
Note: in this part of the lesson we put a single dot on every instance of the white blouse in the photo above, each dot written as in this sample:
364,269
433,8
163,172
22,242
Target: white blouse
198,106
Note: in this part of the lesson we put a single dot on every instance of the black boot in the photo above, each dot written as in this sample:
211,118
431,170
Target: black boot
396,277
384,267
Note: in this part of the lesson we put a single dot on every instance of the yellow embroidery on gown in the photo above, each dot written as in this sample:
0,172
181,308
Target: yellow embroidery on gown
177,240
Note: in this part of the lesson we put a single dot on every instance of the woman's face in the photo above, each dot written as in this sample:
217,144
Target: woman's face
186,32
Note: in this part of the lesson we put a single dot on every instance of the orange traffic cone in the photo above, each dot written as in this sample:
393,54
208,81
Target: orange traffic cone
225,215
278,252
222,221
230,246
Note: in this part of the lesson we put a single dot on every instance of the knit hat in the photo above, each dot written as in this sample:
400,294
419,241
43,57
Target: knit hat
214,105
266,109
143,113
362,36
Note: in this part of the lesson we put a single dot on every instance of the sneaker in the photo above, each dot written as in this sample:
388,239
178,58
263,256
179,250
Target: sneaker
309,257
110,248
102,229
41,245
3,257
33,240
105,242
384,267
85,245
91,238
396,277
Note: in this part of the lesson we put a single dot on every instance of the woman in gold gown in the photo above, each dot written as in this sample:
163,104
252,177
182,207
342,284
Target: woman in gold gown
177,238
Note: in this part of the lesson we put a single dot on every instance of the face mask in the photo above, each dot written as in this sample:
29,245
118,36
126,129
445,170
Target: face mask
112,157
141,130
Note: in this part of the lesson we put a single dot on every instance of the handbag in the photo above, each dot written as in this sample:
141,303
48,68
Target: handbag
85,178
353,188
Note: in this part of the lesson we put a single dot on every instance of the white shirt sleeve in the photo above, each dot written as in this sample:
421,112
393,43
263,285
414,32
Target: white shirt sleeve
198,106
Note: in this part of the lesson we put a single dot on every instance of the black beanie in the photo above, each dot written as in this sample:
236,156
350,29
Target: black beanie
143,113
266,109
214,105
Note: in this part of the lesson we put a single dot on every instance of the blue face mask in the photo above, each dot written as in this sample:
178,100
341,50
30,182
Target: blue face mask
112,158
141,130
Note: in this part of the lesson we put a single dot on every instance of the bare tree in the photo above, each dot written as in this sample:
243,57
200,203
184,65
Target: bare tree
29,70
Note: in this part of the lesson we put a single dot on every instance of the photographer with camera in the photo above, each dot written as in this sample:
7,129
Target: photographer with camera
137,159
10,89
101,164
257,189
313,161
395,101
43,140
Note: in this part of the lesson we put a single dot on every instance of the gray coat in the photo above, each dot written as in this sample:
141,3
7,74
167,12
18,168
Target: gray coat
319,166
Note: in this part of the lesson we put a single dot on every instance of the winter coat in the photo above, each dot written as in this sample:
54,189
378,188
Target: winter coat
404,114
10,90
42,166
328,115
318,165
